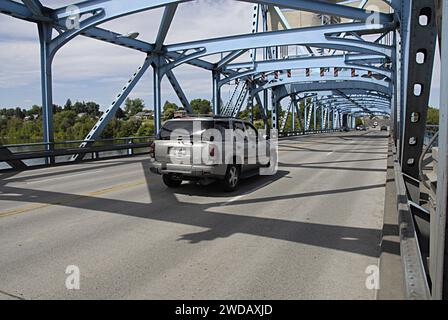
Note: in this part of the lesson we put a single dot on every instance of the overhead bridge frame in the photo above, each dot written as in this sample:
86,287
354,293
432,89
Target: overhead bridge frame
376,63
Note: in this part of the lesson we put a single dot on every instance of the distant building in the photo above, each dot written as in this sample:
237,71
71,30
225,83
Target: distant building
145,115
32,117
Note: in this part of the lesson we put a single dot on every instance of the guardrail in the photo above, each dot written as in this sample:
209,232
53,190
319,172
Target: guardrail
305,133
415,278
15,157
37,155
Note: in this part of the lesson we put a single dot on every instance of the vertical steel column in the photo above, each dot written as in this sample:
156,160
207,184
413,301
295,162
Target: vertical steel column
330,117
315,114
396,98
216,75
420,61
46,59
438,262
293,119
274,112
250,103
322,124
264,22
157,83
402,63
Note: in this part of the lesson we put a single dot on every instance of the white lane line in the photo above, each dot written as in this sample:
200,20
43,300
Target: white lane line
64,177
228,202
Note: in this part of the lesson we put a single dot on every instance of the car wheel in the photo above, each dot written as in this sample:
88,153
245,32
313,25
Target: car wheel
170,182
232,178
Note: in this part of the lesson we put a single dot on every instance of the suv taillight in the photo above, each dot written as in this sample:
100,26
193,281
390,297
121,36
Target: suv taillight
152,150
212,151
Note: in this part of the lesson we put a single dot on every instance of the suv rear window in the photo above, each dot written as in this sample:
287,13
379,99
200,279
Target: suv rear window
187,126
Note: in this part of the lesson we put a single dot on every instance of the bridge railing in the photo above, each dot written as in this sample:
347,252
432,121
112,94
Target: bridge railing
296,133
416,285
415,228
36,155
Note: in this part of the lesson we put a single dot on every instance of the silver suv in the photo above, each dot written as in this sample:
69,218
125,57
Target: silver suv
206,149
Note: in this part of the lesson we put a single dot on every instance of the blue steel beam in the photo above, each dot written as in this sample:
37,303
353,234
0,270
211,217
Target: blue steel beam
363,95
417,88
323,7
363,106
229,58
194,62
311,36
287,90
103,11
46,86
97,130
107,10
167,18
366,106
119,8
179,92
21,11
330,83
314,62
371,99
35,7
257,68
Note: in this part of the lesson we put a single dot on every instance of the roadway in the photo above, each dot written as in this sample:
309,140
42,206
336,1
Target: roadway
309,232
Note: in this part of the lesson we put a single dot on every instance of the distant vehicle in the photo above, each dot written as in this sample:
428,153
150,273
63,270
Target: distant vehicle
345,129
173,153
375,124
384,128
361,128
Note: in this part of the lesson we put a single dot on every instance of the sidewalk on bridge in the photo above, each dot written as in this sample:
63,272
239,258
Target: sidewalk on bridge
391,270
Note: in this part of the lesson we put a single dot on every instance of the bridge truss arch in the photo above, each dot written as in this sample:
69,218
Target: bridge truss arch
368,63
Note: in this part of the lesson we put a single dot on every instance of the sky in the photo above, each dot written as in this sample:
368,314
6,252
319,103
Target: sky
89,70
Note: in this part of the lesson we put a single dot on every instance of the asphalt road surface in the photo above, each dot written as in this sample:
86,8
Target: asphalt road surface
310,232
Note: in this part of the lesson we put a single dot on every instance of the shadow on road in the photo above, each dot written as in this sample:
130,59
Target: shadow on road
362,241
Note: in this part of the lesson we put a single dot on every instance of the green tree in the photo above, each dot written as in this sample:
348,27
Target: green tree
120,114
93,109
56,108
128,128
68,105
433,116
79,107
134,106
35,110
359,122
146,129
168,110
201,106
18,113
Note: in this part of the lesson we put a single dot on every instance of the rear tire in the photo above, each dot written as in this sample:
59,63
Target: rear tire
170,182
232,178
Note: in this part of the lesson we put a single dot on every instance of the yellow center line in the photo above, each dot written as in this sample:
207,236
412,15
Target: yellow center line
70,199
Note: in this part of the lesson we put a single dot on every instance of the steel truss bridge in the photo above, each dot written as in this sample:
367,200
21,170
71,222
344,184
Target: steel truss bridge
357,63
